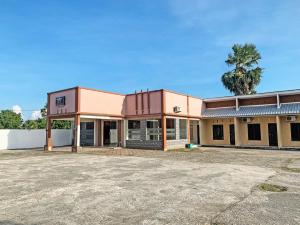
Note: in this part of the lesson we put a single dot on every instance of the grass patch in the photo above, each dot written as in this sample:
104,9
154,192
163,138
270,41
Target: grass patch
294,170
271,187
182,150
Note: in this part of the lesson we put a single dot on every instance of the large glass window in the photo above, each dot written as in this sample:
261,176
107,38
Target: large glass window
171,129
218,133
254,132
153,129
295,131
134,130
182,129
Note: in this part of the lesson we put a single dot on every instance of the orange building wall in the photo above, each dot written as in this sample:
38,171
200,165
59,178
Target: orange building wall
70,102
173,99
142,109
98,102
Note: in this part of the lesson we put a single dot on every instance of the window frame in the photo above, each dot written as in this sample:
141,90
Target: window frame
183,131
171,130
255,137
215,136
154,132
293,138
134,133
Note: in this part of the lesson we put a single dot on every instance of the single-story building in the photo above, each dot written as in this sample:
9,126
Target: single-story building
163,119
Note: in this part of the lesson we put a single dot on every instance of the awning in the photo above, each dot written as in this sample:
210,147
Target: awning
248,111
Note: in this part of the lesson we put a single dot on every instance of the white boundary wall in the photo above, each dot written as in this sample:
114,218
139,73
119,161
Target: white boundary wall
22,139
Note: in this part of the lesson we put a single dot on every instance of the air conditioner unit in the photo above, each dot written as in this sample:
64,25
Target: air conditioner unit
177,109
291,118
247,119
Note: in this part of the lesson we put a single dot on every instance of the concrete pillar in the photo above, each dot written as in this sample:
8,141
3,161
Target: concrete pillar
101,131
237,131
125,132
164,133
189,130
77,134
279,135
95,132
202,131
49,145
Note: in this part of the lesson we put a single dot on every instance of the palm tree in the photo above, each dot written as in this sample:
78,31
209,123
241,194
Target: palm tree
243,78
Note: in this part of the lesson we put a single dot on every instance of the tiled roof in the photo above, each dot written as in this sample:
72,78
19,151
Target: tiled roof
248,111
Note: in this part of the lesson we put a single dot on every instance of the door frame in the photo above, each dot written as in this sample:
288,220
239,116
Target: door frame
104,132
275,135
231,135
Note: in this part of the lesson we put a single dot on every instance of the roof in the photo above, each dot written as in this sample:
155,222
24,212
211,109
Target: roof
259,95
248,111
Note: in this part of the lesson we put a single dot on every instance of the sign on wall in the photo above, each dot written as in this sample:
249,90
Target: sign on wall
60,101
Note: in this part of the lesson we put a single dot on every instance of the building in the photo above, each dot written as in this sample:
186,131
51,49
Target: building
163,119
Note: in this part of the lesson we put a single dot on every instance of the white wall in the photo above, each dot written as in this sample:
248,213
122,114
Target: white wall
21,139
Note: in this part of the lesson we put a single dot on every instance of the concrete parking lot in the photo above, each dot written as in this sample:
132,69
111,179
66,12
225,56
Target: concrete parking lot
122,186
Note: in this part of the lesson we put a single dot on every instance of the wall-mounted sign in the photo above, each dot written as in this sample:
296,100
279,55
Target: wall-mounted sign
60,101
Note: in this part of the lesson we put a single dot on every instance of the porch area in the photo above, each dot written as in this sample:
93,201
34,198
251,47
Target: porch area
90,131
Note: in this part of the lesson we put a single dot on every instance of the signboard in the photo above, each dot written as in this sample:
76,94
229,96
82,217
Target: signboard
60,101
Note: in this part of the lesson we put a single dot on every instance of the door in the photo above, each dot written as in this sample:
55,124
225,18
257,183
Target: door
232,134
113,132
110,133
272,128
198,134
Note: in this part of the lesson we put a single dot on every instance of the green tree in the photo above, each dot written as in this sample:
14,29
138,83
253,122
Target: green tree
10,120
30,124
246,75
56,124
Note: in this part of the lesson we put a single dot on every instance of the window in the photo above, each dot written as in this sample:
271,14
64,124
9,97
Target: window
90,125
60,101
254,132
182,129
171,129
295,131
153,129
218,133
134,130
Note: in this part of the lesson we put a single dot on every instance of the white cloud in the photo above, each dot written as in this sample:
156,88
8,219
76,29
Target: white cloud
17,109
36,115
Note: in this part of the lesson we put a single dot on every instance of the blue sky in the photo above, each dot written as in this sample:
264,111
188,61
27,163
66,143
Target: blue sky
130,45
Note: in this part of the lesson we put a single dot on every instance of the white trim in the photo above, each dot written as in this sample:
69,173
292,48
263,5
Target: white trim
100,117
260,95
278,101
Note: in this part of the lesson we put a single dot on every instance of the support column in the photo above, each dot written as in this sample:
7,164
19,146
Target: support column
49,145
76,145
189,130
164,133
202,131
237,132
125,132
279,135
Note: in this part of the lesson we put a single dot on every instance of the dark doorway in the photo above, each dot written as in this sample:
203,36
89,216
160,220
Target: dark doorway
87,134
110,134
232,134
198,134
273,141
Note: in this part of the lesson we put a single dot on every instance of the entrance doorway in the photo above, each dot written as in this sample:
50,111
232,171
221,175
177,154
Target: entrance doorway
87,134
232,134
110,133
272,128
194,132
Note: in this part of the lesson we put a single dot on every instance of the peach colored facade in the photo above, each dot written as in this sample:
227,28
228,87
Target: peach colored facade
163,119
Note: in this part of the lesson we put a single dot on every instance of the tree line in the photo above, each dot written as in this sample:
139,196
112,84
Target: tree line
12,120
